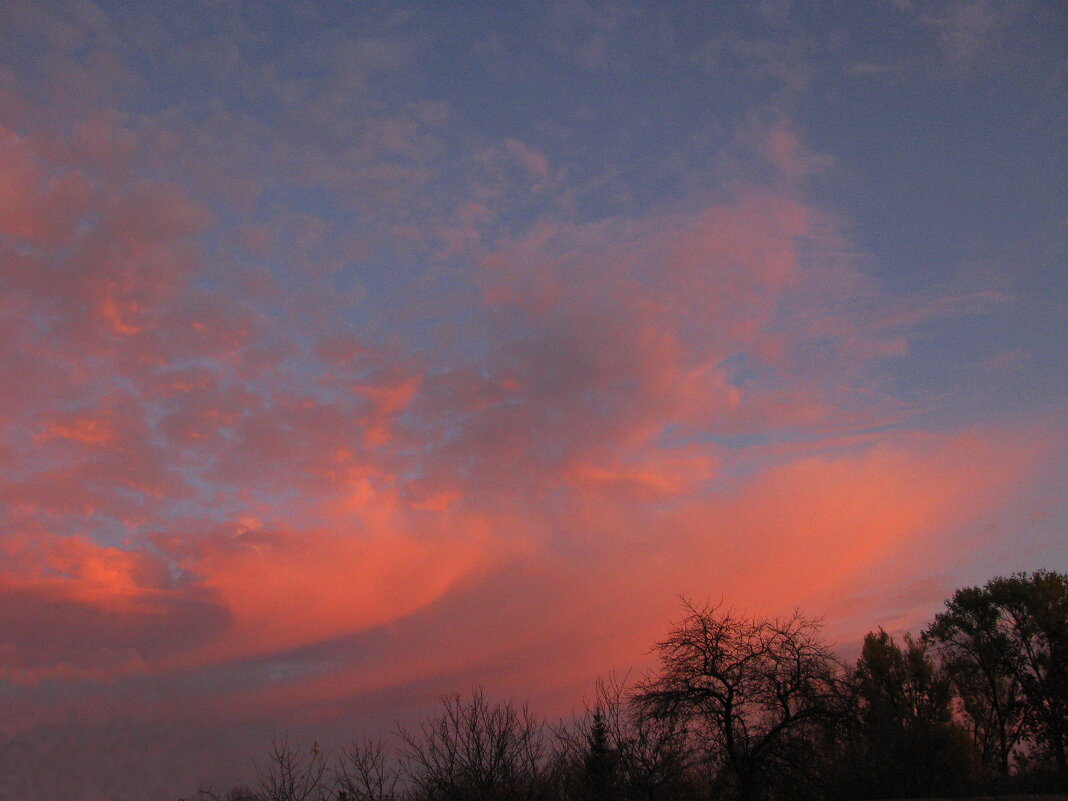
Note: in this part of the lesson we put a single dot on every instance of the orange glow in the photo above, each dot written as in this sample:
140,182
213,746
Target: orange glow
80,571
84,430
119,316
284,590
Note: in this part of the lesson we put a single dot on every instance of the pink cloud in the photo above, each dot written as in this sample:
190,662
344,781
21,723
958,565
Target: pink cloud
284,590
370,486
605,574
254,490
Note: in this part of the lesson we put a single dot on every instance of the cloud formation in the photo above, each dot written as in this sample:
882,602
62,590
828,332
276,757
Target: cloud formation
338,369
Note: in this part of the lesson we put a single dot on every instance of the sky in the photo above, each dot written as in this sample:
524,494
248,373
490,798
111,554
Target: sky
353,353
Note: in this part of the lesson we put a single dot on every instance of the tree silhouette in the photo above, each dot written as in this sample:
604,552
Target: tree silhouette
903,742
752,709
295,774
975,649
1006,646
616,751
365,773
477,751
1034,617
749,688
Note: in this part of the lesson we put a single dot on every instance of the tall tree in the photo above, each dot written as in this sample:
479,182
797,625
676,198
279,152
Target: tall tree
748,687
1007,647
900,687
1034,617
904,742
976,649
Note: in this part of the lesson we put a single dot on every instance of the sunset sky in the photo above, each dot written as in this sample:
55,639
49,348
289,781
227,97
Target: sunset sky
357,352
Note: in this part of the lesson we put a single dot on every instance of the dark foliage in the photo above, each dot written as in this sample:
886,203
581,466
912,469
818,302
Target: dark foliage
1005,647
902,739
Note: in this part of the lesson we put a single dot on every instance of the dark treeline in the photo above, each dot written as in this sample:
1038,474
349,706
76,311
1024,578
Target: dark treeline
744,709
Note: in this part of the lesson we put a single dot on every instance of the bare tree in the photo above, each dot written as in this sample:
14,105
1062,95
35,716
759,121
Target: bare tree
474,750
616,752
292,774
365,773
748,688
